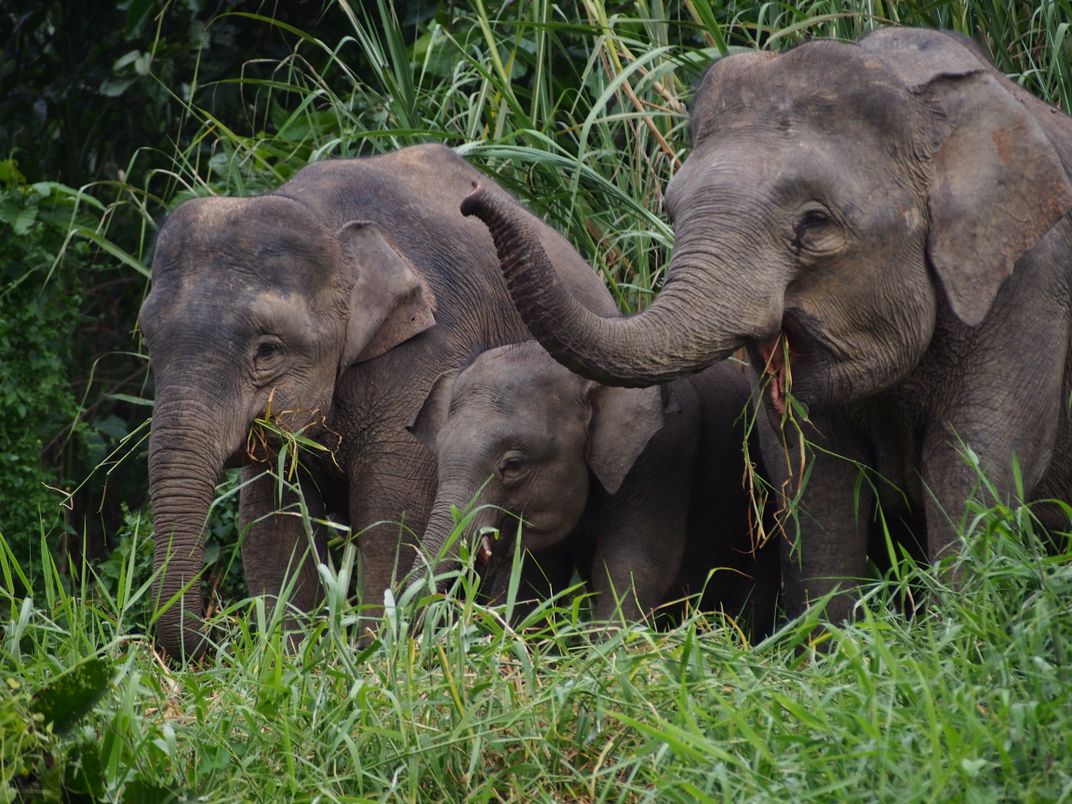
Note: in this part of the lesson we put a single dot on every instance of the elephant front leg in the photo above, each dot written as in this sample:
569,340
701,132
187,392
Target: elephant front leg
639,540
391,497
822,512
279,553
953,476
634,569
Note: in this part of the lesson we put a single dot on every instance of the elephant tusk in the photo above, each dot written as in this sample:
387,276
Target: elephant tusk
483,552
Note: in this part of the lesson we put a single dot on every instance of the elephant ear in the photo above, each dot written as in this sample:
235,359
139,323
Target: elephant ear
433,413
389,302
621,423
998,184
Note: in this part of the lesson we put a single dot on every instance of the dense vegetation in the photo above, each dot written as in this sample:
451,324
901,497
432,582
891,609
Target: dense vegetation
118,112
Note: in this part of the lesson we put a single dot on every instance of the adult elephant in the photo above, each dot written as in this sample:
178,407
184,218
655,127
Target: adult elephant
331,304
890,221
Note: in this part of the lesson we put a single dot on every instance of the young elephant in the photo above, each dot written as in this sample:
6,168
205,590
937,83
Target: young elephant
648,501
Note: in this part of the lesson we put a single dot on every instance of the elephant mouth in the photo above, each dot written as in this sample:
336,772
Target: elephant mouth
776,354
796,359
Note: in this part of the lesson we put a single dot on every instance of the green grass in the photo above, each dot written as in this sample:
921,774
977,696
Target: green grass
584,118
969,700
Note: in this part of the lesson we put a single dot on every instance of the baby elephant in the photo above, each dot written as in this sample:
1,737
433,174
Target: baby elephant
640,489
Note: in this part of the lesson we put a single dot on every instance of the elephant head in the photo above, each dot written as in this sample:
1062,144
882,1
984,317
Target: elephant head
838,198
517,433
254,306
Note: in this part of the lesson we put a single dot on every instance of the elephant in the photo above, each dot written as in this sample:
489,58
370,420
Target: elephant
645,497
884,226
329,305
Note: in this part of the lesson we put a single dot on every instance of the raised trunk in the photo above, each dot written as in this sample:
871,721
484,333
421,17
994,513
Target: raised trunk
185,460
683,331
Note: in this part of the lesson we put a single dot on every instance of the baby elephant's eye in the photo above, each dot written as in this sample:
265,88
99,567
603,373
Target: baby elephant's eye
509,466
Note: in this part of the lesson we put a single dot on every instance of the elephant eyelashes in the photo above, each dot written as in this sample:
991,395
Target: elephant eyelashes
812,219
268,355
816,233
268,349
510,467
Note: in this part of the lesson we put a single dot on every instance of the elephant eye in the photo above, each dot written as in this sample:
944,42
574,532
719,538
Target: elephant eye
510,466
268,351
816,234
812,219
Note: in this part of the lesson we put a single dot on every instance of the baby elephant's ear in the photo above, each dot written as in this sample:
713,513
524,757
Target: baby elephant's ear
433,413
622,422
390,301
997,183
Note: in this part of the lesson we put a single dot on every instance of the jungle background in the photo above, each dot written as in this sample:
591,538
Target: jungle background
113,113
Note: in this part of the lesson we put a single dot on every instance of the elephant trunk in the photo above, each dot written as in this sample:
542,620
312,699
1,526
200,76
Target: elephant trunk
683,331
441,527
185,460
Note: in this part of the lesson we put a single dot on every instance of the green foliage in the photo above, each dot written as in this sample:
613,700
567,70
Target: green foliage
23,739
969,700
46,750
67,698
41,304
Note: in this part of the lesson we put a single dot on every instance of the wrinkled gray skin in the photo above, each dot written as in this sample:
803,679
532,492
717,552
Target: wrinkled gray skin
340,297
645,504
898,212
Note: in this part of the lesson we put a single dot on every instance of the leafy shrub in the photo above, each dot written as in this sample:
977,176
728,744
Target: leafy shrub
41,311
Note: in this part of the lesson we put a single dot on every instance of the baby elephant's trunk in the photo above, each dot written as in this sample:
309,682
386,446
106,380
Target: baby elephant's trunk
443,537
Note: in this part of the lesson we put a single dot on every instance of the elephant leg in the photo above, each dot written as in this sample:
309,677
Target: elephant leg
633,570
391,497
639,545
640,532
276,546
950,481
823,517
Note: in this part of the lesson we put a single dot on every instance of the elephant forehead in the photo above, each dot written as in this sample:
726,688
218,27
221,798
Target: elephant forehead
179,310
272,309
519,367
268,237
524,388
523,398
824,87
483,433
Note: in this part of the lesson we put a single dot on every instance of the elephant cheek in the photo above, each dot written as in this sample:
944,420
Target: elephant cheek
297,403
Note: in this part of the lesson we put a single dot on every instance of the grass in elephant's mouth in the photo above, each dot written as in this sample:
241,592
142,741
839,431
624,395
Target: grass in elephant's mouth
270,438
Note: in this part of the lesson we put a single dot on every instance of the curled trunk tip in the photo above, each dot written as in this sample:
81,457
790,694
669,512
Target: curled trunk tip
678,334
510,232
476,203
